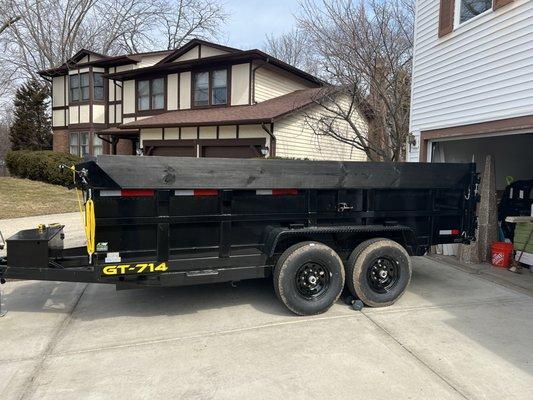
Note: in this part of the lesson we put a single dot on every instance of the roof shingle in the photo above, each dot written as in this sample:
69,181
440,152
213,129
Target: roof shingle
266,111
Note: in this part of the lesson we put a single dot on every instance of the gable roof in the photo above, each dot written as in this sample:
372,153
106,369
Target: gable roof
264,112
103,61
192,44
237,56
82,53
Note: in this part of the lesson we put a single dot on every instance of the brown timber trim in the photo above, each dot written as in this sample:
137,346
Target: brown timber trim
205,142
446,16
497,4
250,84
502,125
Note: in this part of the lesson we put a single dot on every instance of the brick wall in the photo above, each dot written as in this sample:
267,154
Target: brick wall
124,147
60,141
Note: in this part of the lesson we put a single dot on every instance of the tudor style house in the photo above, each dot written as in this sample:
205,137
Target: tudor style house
472,86
201,100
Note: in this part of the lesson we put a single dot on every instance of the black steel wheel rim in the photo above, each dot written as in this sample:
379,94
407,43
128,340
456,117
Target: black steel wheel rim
312,280
383,274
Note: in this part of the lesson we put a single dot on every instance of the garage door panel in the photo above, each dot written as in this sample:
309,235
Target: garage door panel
174,151
229,152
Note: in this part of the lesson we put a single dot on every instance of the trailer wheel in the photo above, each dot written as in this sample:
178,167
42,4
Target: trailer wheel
378,272
309,278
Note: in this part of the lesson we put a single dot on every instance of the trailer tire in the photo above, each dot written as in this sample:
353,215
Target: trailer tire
378,272
309,278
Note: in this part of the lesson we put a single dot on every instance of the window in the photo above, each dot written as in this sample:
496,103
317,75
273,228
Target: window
79,143
79,87
468,9
219,94
98,145
210,88
98,85
74,86
158,94
201,89
151,94
74,144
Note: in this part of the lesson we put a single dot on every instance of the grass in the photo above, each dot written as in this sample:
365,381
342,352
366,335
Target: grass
25,198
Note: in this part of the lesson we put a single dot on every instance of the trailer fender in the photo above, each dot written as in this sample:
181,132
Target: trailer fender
275,236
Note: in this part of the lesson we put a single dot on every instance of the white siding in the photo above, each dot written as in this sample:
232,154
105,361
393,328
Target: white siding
208,51
150,134
172,92
149,60
240,84
58,118
58,91
185,90
482,71
129,96
271,83
98,114
190,55
295,139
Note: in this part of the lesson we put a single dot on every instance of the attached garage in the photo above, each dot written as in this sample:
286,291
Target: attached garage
215,148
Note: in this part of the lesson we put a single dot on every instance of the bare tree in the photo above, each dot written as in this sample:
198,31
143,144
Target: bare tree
294,48
46,33
365,48
182,20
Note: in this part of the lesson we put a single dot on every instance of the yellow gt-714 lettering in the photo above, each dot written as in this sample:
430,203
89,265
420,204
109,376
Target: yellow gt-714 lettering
140,268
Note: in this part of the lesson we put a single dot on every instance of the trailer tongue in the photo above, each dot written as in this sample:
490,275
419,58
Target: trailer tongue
312,225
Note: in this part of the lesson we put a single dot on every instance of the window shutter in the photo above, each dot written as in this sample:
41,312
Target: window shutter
500,3
447,8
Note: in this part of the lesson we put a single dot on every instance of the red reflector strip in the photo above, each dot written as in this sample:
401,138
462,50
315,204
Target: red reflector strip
205,192
276,192
196,192
449,232
137,192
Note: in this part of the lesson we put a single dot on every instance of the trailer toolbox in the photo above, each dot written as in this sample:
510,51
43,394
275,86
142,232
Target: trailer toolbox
33,248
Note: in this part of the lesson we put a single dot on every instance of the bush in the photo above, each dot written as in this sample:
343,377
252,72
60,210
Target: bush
41,166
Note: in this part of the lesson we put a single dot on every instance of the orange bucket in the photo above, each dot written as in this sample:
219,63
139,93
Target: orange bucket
501,254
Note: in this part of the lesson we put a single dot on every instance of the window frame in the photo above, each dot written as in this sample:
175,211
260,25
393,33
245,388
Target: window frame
79,88
210,73
150,95
78,145
457,14
90,85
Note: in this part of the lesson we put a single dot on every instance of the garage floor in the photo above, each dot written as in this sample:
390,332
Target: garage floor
454,335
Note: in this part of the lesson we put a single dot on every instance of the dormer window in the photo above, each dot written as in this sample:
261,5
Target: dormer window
210,88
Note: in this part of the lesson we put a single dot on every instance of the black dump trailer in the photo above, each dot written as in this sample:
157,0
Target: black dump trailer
311,225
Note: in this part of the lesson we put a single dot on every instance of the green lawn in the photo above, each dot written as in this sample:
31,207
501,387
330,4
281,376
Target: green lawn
24,198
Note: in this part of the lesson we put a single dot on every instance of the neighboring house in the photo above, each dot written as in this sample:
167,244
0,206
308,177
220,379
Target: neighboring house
472,90
201,100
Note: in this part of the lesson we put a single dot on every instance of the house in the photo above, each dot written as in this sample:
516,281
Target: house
472,88
201,100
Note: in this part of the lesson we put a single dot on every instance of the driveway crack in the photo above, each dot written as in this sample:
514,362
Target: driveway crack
425,364
30,383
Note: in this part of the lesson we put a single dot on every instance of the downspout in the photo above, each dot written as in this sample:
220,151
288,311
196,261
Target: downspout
270,131
267,61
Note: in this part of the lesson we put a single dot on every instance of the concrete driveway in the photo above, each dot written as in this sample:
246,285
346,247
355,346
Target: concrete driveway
454,335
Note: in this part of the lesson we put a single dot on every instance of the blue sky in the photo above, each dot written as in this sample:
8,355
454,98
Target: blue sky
251,20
